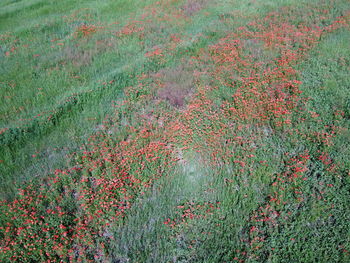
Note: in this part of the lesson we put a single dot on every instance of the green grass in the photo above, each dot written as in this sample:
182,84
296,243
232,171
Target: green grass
39,85
58,86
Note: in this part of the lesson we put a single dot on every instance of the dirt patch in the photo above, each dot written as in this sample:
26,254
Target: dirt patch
78,57
175,84
191,7
81,56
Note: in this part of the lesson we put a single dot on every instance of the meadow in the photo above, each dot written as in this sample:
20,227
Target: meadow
174,131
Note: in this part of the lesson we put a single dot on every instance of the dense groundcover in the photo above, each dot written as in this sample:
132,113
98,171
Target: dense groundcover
229,143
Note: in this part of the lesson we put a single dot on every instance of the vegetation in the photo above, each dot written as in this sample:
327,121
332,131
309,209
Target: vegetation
175,131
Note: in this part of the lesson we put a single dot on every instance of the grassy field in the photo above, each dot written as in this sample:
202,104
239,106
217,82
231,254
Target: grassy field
175,131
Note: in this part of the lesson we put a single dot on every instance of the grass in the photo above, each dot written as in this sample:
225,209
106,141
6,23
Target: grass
174,131
49,70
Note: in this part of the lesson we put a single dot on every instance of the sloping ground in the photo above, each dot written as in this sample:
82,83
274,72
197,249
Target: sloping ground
229,145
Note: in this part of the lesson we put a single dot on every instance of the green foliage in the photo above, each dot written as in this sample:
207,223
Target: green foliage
174,131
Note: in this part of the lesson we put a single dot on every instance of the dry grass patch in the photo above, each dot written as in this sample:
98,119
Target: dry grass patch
175,84
191,7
